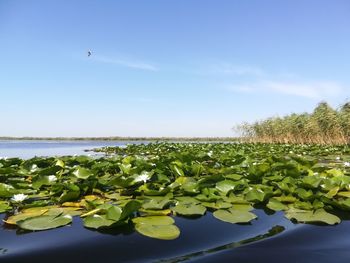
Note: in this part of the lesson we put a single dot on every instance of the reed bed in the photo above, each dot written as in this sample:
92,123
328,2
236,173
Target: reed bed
324,125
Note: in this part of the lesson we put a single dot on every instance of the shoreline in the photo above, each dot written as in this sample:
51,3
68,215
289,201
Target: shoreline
117,138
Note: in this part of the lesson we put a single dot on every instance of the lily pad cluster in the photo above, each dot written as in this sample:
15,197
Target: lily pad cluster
145,186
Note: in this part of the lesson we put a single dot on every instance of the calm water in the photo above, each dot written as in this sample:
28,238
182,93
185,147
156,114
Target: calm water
270,238
28,149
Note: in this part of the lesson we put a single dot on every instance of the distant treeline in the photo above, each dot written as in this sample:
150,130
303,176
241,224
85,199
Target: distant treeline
117,138
324,125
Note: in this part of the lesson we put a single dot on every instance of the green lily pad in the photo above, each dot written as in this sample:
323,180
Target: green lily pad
255,195
344,193
189,209
154,220
44,222
226,186
159,227
276,205
25,214
97,221
164,232
320,215
114,213
82,173
4,206
156,203
130,207
6,190
234,216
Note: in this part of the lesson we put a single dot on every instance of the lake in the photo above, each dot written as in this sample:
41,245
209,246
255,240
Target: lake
271,238
30,148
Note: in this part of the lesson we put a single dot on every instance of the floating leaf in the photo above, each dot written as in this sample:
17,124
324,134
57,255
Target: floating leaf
44,222
320,215
234,216
150,212
33,212
165,232
332,192
154,220
156,203
6,190
114,213
189,209
60,163
130,207
97,221
69,196
344,193
226,186
255,195
4,206
276,205
82,173
160,227
43,180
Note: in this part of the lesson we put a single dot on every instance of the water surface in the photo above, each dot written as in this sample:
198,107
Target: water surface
270,238
28,149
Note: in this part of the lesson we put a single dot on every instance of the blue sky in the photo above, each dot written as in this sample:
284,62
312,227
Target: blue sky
167,68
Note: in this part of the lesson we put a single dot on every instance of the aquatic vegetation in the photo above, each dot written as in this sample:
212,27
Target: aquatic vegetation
324,125
146,186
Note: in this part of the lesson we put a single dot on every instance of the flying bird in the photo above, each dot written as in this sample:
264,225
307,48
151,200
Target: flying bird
89,53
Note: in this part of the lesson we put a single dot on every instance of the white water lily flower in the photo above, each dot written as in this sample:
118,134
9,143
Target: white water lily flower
347,164
337,158
52,178
19,197
34,168
143,177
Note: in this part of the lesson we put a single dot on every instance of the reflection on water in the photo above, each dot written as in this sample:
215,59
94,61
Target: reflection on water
3,251
271,232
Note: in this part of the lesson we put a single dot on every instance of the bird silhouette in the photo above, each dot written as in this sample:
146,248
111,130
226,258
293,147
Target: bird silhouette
89,53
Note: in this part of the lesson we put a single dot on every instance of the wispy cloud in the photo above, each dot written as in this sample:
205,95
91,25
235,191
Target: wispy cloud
312,90
236,70
257,80
125,63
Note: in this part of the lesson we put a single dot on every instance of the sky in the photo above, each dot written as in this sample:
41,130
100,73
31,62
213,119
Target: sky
183,68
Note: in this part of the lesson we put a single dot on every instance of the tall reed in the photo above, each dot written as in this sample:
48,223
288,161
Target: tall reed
324,125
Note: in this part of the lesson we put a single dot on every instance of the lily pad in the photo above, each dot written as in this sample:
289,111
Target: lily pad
33,212
276,205
159,227
189,209
318,216
226,186
4,206
97,221
234,216
154,220
165,232
82,173
44,222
